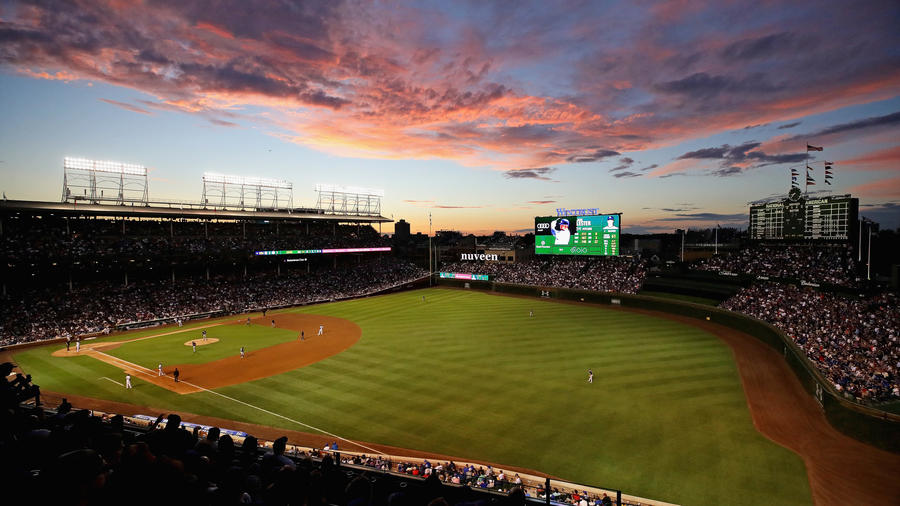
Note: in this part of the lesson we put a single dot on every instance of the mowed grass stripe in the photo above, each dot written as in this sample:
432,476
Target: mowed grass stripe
471,374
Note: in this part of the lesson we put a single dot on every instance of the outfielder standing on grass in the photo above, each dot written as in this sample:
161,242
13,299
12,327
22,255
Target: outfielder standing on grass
590,376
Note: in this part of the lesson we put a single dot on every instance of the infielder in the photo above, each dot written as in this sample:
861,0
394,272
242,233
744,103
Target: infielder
242,352
127,381
194,346
590,376
77,345
273,323
159,369
301,335
321,329
204,334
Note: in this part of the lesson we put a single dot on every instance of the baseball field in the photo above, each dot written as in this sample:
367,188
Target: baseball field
470,375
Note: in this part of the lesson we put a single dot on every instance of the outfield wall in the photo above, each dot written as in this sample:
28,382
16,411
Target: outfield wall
867,424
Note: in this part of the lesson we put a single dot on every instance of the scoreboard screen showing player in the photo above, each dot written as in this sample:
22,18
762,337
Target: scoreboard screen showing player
832,218
577,235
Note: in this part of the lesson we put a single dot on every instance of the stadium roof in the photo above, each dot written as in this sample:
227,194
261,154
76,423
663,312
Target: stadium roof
179,210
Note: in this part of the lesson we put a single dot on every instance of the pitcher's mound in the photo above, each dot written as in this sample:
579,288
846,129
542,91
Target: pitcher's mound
201,342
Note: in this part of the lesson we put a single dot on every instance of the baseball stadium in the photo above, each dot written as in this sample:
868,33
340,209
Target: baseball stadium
641,256
597,375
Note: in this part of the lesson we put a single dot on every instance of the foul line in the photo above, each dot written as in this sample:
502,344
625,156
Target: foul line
127,365
110,379
173,332
373,450
149,372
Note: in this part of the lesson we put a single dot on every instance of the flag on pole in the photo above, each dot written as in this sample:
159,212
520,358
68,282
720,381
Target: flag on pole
810,180
813,148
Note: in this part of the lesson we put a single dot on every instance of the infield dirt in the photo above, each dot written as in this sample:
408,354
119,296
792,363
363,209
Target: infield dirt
339,334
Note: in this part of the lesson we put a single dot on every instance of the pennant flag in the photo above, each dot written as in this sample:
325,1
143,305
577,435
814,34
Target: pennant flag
827,172
795,172
829,163
810,181
813,148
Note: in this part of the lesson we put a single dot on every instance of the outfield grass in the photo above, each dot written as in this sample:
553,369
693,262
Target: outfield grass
471,374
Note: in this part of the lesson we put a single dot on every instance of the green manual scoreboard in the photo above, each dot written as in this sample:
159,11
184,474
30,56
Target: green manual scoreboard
577,235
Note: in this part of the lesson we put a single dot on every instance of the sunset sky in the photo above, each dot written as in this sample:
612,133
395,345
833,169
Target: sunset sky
484,114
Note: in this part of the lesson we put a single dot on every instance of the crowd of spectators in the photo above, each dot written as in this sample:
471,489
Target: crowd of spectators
484,477
818,264
80,240
603,274
98,307
74,456
855,343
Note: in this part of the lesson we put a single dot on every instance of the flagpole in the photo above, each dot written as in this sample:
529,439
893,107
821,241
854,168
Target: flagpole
806,190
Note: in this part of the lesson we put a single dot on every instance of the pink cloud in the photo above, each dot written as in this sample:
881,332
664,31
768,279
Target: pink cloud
885,159
880,188
338,78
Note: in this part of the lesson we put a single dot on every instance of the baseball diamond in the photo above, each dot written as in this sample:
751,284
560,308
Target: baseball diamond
449,376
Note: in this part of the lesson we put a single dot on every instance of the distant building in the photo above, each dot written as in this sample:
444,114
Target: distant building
401,231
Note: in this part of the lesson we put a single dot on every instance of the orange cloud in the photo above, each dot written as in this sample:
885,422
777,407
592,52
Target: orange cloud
886,159
880,188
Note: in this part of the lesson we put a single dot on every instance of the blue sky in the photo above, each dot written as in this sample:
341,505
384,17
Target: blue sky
484,115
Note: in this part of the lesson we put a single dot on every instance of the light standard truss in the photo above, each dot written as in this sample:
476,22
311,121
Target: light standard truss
99,181
335,199
243,192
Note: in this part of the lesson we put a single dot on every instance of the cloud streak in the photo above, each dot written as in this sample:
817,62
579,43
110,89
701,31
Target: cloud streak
460,88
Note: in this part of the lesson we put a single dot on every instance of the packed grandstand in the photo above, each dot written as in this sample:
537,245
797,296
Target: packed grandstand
852,341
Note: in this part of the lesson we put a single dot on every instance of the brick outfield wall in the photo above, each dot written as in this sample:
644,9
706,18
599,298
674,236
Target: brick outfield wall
864,423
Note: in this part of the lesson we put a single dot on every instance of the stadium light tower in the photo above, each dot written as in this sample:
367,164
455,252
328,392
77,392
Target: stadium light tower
335,199
224,191
97,181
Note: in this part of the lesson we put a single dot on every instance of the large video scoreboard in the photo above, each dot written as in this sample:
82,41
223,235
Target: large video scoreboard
798,218
577,235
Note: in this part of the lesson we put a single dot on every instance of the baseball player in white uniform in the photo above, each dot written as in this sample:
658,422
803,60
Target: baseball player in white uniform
128,381
562,235
321,329
159,369
77,345
590,376
242,352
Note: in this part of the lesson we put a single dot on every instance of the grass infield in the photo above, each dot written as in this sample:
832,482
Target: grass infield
471,374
